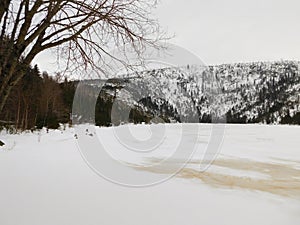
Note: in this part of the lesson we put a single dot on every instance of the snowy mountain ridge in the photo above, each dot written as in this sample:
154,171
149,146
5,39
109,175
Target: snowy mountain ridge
261,92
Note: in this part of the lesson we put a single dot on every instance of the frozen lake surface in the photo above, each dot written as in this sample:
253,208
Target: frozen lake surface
254,179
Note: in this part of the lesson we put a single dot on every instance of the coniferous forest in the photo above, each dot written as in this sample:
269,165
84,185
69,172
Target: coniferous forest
266,93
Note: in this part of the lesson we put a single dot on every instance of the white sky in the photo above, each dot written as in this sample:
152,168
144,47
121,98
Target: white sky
224,31
221,31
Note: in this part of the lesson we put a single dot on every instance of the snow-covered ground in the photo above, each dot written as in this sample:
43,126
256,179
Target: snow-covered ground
255,179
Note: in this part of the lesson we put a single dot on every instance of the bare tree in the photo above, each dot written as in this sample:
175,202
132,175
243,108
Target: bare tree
83,30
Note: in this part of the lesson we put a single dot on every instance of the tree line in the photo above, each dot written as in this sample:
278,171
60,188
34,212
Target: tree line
43,100
38,100
81,31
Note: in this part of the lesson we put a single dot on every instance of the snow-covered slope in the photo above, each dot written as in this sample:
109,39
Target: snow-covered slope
263,92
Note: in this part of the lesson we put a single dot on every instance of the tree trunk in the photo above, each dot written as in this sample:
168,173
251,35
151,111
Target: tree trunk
12,78
3,98
26,118
4,4
18,112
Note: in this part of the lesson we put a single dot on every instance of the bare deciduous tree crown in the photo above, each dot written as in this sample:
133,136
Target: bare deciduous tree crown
82,30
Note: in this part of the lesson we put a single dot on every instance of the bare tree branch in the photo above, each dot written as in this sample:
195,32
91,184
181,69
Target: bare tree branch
83,30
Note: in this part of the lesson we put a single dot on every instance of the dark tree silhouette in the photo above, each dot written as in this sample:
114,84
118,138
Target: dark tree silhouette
83,30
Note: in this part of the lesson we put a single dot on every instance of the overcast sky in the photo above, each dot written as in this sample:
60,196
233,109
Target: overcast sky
224,31
235,30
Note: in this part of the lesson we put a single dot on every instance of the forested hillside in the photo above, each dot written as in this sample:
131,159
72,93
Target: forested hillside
39,100
261,92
